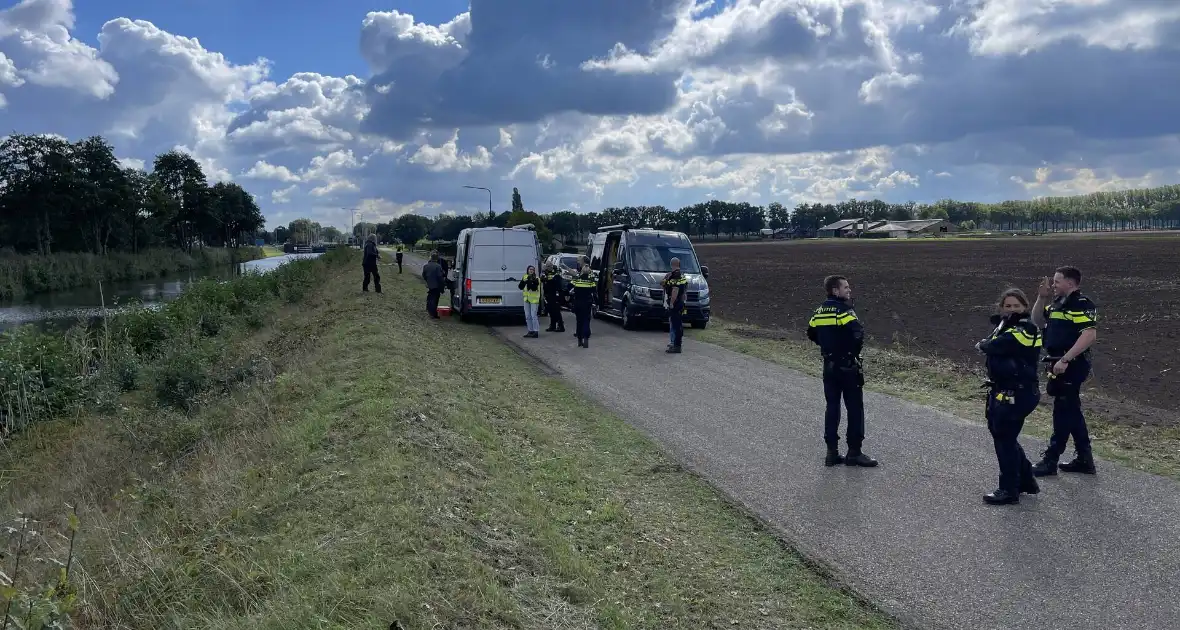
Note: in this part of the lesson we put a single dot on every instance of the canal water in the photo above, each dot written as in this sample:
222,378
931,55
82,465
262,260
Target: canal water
61,309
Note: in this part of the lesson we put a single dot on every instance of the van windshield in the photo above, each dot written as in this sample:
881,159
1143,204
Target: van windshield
657,259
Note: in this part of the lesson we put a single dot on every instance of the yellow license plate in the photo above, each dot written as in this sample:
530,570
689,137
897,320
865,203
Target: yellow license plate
488,300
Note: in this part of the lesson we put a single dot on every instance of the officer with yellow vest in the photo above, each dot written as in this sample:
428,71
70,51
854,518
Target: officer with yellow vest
835,328
530,288
585,286
551,281
675,290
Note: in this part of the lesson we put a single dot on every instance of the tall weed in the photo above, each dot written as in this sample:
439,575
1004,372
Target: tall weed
24,274
176,345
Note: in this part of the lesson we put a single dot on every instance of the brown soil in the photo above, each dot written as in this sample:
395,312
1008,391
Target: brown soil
934,297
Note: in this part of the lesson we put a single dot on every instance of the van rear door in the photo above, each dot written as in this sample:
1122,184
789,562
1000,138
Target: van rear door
487,271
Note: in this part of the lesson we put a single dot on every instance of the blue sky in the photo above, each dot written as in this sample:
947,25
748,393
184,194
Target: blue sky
392,108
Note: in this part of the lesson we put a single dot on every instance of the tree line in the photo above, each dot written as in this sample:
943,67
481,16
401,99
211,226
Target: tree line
61,196
1139,209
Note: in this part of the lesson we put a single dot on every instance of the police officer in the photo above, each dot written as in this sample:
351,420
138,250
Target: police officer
1013,353
585,291
551,280
1070,323
675,288
398,256
835,328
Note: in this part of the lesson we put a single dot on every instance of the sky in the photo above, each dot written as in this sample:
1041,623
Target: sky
373,110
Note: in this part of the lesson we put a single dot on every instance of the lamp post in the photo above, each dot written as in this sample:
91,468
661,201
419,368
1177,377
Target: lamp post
489,198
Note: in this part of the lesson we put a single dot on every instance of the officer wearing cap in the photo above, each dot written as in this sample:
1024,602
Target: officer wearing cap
1070,325
835,328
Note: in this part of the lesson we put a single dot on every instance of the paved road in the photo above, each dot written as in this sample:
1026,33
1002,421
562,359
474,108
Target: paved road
912,535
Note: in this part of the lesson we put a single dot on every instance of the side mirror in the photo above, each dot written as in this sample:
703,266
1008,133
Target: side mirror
705,270
619,269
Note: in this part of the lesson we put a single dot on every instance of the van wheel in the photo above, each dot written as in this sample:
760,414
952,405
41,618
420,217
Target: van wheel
629,322
700,324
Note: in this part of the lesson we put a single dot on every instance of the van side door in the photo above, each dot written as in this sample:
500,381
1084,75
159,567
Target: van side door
620,275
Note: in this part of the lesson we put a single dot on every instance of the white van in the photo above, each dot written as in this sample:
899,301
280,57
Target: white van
489,265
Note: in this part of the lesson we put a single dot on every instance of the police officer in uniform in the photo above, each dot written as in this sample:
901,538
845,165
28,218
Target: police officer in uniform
1070,323
835,328
1013,353
585,292
675,289
398,256
551,280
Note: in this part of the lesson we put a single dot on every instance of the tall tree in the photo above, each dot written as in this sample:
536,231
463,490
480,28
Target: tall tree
517,204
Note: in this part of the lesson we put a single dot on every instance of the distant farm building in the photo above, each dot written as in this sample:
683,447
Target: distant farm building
908,229
886,229
845,227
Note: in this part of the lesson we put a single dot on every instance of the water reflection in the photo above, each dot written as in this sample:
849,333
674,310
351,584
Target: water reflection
61,309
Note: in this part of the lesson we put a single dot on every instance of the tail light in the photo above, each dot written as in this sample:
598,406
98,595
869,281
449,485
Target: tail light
467,284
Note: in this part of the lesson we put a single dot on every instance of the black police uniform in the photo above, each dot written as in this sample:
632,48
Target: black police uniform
1013,354
840,336
585,291
676,310
398,256
1065,319
551,280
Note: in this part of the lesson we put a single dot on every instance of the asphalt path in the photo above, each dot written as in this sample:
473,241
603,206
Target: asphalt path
913,534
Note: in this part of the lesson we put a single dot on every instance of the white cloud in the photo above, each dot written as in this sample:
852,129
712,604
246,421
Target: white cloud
661,102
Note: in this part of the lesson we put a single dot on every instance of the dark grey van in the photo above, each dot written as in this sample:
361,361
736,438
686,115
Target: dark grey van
631,264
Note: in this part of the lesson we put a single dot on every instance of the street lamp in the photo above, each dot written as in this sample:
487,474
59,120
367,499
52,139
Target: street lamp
489,196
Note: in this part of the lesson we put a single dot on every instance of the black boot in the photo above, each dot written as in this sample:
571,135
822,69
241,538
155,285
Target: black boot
579,342
1081,463
586,342
857,458
833,458
673,350
1001,497
1047,467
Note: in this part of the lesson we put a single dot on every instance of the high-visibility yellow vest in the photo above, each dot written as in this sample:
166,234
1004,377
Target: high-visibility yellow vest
532,296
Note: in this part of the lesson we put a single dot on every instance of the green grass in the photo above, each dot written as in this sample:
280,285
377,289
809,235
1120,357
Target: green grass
270,251
376,474
955,388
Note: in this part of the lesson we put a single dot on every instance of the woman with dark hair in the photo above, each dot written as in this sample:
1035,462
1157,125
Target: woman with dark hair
1012,352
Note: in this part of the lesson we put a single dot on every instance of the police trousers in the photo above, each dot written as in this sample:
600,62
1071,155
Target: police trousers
1068,420
843,378
371,272
583,315
1005,412
676,327
553,308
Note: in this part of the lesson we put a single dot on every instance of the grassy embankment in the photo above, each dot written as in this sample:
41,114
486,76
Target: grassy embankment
270,251
336,464
951,387
22,275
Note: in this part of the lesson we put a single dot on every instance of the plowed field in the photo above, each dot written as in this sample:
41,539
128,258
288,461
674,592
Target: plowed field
935,296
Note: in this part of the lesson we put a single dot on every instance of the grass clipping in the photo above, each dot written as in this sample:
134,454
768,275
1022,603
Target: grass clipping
402,470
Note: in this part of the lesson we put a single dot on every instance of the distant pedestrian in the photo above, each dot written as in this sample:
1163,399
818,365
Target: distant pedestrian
530,288
835,328
675,290
1013,352
432,273
1070,325
369,264
398,256
585,293
551,281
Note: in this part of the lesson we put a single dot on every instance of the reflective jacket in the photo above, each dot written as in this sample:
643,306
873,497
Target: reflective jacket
1013,352
835,328
530,286
585,290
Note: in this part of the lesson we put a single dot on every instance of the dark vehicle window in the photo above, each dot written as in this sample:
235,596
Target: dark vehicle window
657,259
570,262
